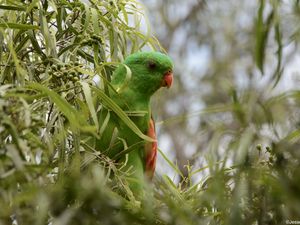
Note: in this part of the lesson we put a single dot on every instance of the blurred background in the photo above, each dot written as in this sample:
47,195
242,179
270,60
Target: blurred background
232,58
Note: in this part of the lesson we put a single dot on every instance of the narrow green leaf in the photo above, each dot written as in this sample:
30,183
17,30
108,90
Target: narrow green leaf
50,40
10,7
121,114
173,189
59,19
96,55
173,166
64,107
67,48
35,43
136,113
21,72
278,38
95,21
113,40
170,183
262,33
105,123
125,14
88,97
87,17
259,35
22,43
128,150
126,81
86,56
18,26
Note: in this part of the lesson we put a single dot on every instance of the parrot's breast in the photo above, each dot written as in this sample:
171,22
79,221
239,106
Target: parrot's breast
151,151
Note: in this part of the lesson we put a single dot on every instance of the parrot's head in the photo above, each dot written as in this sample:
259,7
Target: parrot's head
148,72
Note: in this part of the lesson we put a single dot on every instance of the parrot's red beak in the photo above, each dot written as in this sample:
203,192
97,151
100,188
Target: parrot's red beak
168,79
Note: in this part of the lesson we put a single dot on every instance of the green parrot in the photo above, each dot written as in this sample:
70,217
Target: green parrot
134,82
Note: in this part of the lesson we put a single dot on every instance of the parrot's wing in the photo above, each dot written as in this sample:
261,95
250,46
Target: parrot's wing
151,150
109,123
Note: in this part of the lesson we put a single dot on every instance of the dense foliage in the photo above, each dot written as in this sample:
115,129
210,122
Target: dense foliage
56,59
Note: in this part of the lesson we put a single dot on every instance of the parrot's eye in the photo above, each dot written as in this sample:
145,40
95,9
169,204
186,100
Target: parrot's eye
151,65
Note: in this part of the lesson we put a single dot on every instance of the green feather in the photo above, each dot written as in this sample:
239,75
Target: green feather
134,81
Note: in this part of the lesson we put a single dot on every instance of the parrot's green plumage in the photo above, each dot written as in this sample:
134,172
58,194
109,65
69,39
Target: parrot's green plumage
135,81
